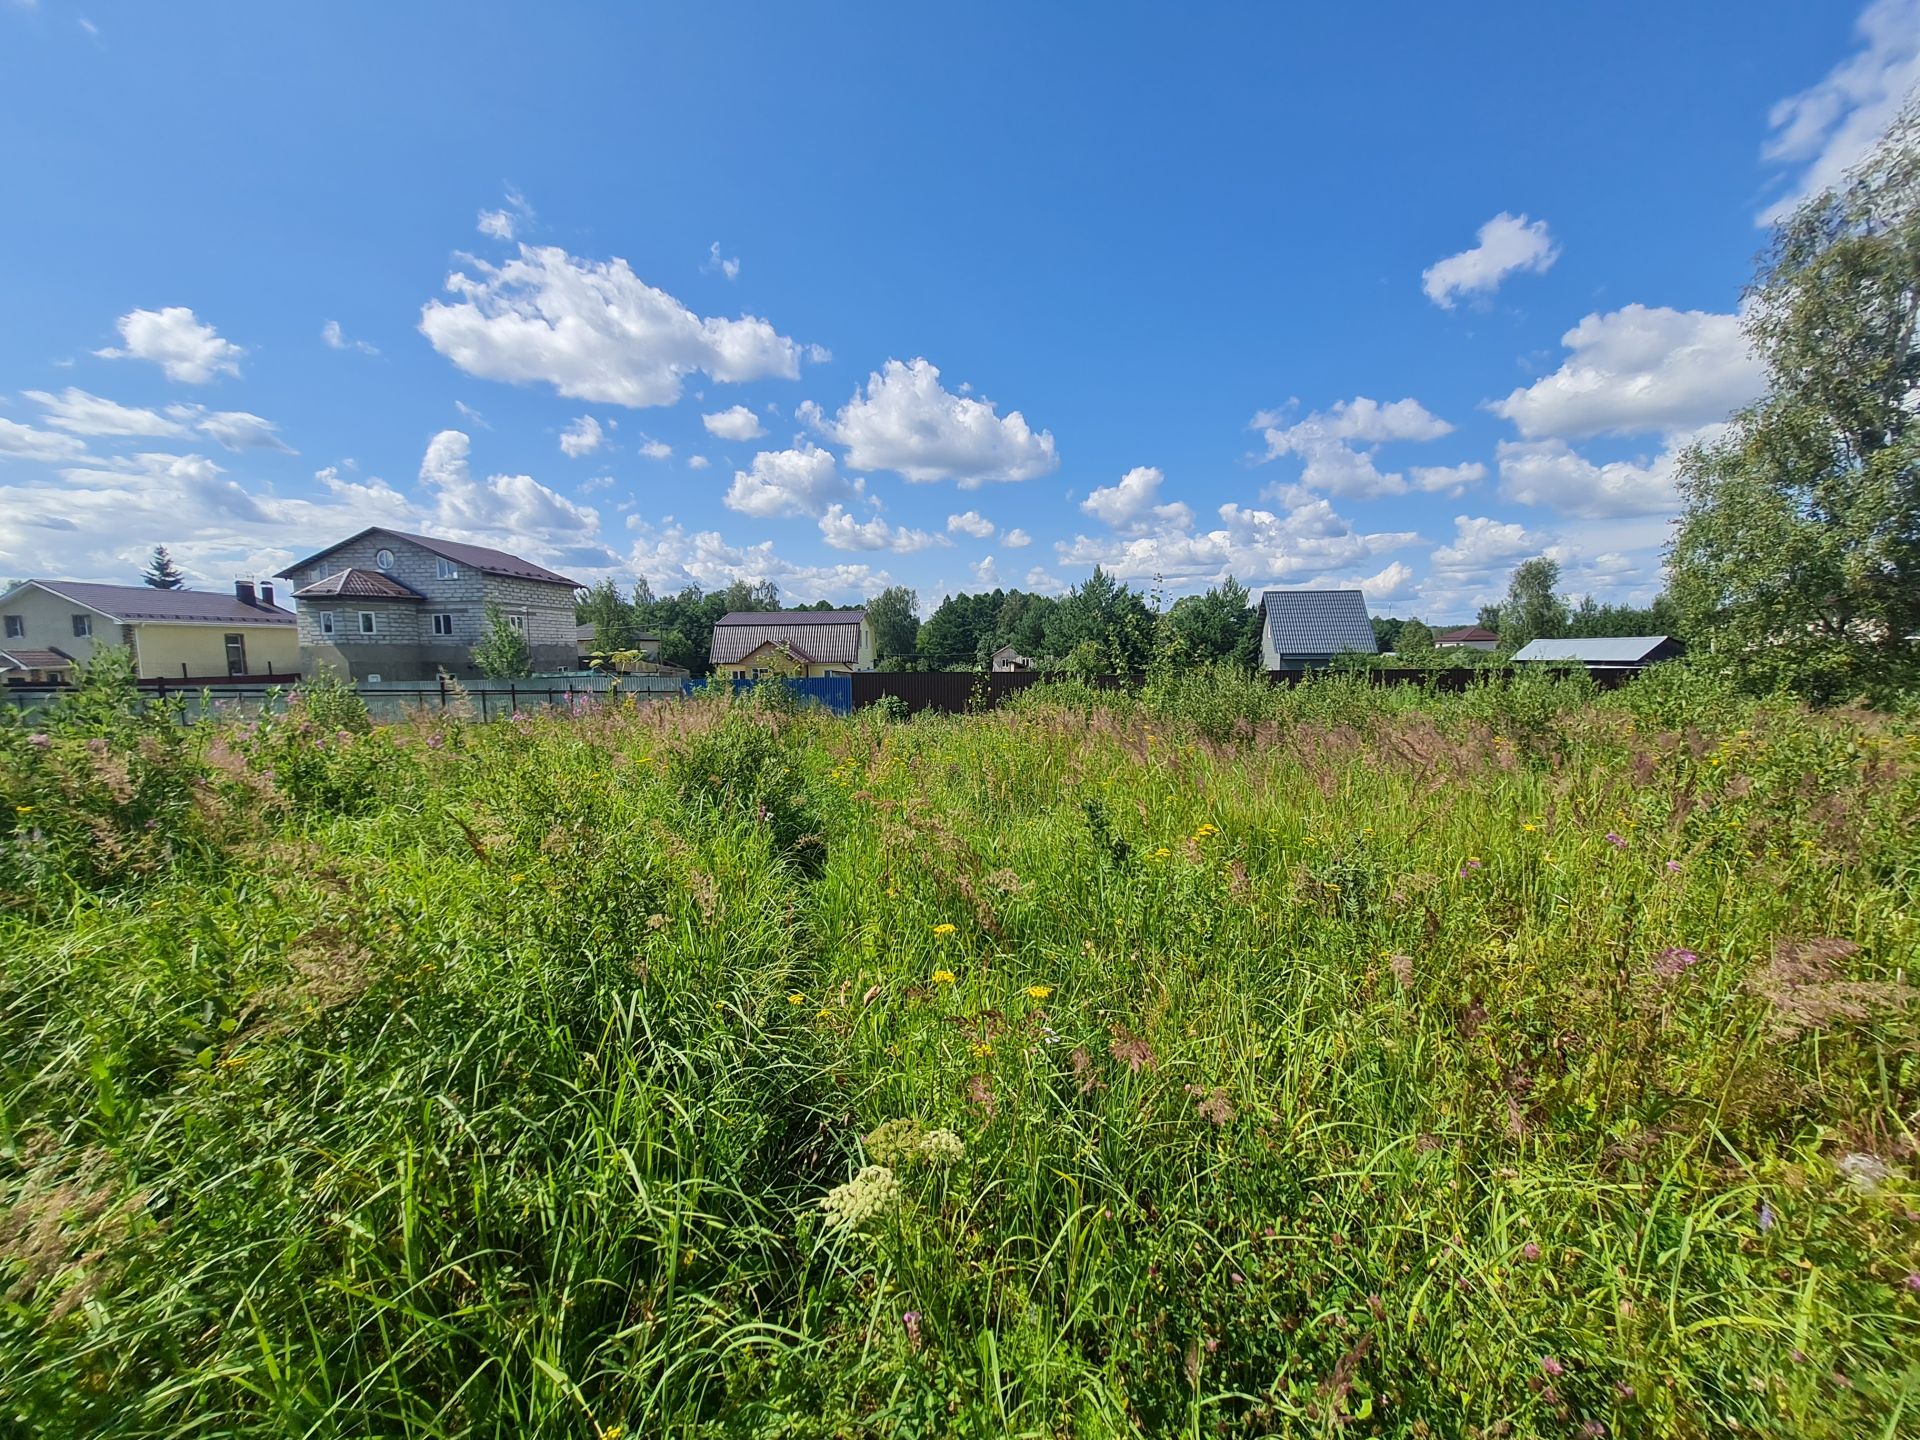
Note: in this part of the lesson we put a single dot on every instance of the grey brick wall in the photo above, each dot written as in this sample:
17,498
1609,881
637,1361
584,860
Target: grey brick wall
404,645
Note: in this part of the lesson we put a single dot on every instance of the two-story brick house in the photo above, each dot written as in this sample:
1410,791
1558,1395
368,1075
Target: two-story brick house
386,605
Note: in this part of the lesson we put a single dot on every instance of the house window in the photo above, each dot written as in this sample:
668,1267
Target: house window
449,570
519,622
326,622
16,627
443,624
366,623
236,654
82,626
383,558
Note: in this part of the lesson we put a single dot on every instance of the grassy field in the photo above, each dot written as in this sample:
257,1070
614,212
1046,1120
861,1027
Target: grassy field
1213,1062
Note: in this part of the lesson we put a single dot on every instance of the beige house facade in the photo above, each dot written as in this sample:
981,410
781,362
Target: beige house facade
172,634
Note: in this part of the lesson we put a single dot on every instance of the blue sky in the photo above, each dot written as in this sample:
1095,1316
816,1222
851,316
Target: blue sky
1389,295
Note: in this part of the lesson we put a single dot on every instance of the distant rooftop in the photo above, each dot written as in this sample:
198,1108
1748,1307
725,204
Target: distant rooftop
1317,622
824,636
356,584
1608,650
475,557
1467,635
129,604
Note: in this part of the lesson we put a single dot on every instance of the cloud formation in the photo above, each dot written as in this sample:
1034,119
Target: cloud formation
1508,244
187,350
906,421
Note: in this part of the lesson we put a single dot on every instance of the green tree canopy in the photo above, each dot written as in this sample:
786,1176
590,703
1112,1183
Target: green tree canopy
503,652
161,573
1532,610
894,618
1101,623
615,624
1415,638
1797,558
1221,626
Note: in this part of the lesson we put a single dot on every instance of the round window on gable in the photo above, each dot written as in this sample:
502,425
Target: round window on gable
383,558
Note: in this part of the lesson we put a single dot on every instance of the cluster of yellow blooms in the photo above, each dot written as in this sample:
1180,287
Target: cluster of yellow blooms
943,929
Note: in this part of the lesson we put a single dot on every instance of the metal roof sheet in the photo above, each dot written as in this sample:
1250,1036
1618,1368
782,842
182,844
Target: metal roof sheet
357,584
1608,650
130,604
828,637
1318,622
475,557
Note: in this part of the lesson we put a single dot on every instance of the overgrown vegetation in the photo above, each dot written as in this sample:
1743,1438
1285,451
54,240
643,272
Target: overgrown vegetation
1216,1060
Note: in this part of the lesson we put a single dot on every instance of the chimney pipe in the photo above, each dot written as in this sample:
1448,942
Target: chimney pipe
266,593
243,591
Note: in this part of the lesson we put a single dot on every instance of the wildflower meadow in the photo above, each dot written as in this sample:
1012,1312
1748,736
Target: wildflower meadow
1205,1060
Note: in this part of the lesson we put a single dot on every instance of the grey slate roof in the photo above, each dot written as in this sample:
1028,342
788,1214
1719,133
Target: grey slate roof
1317,622
474,557
130,604
357,584
827,637
1612,650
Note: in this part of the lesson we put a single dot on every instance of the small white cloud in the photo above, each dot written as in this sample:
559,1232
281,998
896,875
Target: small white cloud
1130,505
1639,370
841,531
1327,440
1508,243
1480,543
336,339
1828,128
1016,539
24,442
593,331
654,449
582,437
467,412
698,462
507,222
79,413
986,574
736,422
716,261
801,481
1448,480
819,355
1393,583
907,422
509,507
972,523
175,340
1551,474
234,429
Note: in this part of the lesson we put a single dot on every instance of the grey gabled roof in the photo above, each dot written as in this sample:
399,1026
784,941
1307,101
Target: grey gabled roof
827,637
475,557
1317,622
129,604
1610,650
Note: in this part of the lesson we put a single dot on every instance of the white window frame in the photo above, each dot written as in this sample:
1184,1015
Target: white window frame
16,627
448,570
443,624
383,557
325,621
519,622
369,622
83,627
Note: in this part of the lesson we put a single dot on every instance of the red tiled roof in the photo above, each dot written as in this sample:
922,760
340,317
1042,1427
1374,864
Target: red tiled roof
357,585
34,660
1468,632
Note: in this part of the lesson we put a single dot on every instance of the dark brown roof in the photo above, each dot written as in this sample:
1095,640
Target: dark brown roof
131,603
474,557
354,584
830,636
34,660
1468,632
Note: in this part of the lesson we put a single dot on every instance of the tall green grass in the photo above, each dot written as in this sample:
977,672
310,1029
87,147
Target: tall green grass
1326,1061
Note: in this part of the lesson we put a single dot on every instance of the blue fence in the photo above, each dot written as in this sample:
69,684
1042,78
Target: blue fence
833,691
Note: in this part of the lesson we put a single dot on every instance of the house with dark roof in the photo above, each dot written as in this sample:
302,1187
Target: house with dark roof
797,643
1467,637
1614,652
1305,629
387,605
48,626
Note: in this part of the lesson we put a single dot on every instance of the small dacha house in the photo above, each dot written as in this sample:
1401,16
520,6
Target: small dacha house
798,644
1611,653
1305,629
51,625
386,605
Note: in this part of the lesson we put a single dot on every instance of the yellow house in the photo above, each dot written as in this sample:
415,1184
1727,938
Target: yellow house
173,634
799,644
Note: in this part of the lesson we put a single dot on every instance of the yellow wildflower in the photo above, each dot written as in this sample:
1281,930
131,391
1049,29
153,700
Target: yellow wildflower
982,1050
796,998
1162,853
944,929
825,1012
1529,826
1039,992
23,809
943,977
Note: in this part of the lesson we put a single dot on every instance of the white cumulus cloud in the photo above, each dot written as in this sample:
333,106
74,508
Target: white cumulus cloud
233,429
582,437
25,442
1826,129
972,523
336,339
80,413
717,261
1130,505
503,507
594,331
178,342
1327,442
736,422
1016,539
1507,243
800,481
907,422
841,531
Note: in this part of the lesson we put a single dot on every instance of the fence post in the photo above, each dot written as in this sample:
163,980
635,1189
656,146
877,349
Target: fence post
443,689
513,698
